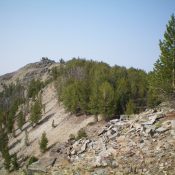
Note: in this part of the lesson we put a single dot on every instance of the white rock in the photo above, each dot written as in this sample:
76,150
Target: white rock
173,124
162,129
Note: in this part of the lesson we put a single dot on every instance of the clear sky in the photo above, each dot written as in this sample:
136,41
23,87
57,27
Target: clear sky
122,32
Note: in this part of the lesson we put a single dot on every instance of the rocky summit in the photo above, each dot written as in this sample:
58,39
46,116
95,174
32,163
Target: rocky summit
136,144
24,75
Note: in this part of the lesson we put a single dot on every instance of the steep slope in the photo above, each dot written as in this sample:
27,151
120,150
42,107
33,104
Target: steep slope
53,113
65,124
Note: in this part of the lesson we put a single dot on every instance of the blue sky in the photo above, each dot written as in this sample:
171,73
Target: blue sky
122,32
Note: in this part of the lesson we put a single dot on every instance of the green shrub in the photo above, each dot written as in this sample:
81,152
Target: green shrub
43,143
81,134
91,123
72,137
158,124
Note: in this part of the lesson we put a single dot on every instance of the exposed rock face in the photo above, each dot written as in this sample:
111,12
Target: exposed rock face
42,165
144,144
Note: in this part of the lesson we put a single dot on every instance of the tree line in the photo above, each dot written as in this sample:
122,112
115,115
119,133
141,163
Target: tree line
91,87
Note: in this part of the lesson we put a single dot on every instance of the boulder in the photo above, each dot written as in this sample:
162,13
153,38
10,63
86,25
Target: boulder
111,132
150,130
137,126
124,117
36,167
114,121
41,166
114,130
58,149
173,124
108,133
162,129
173,133
79,147
76,146
110,127
173,128
104,158
47,161
84,146
73,152
112,137
102,131
152,121
98,145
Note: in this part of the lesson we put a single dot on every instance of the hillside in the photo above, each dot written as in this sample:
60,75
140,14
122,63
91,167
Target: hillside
64,123
88,134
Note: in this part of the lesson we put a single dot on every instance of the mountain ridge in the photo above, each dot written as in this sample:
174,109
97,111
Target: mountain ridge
81,142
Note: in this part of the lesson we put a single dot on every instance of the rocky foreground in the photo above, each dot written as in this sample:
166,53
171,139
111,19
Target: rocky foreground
137,144
140,144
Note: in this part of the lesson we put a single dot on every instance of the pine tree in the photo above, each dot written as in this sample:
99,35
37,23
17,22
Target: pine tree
163,77
10,121
26,139
130,108
94,100
36,112
15,162
75,97
4,148
43,143
122,93
106,100
7,158
34,87
21,119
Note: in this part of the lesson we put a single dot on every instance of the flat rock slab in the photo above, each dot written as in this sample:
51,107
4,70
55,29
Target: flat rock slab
151,122
162,129
41,165
173,124
47,161
36,168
